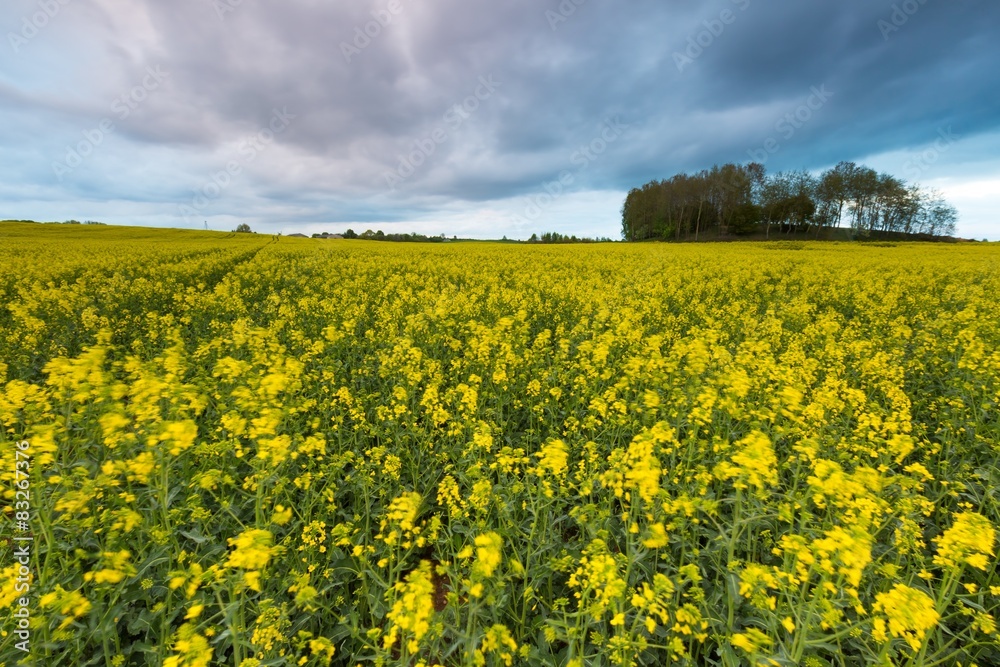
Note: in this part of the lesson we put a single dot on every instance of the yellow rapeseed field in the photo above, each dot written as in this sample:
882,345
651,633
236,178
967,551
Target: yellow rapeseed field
251,453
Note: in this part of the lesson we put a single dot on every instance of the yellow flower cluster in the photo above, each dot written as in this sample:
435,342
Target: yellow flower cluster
497,641
252,551
969,541
753,466
489,554
116,567
413,609
70,604
598,581
190,649
910,614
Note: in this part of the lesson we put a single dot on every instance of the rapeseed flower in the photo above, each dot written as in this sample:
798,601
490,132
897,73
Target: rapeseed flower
969,541
910,614
252,550
190,649
413,609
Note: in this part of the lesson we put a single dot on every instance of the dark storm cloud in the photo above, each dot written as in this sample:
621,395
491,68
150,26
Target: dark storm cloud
695,83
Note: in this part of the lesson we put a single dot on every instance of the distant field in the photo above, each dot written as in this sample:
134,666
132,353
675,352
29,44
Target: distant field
246,452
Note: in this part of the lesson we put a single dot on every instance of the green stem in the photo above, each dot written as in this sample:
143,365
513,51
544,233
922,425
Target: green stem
733,536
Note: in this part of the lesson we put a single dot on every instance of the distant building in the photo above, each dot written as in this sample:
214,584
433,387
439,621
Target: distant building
298,236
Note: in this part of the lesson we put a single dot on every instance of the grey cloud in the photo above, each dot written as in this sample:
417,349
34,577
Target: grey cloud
355,119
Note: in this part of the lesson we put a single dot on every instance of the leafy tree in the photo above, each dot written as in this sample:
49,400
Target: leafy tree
832,194
736,199
243,228
936,216
744,218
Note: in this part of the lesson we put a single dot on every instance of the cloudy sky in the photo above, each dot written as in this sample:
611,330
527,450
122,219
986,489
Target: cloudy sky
477,118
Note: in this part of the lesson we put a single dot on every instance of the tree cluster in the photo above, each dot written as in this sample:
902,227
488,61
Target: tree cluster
556,237
743,199
399,238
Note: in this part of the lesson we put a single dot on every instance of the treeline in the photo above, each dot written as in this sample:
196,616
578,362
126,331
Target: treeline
556,237
743,199
64,222
379,235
